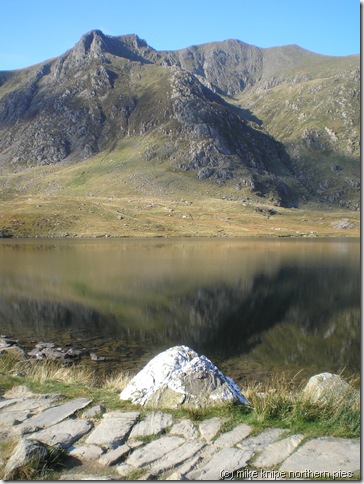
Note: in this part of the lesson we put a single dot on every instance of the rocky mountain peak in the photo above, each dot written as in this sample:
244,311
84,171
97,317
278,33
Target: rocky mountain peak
218,103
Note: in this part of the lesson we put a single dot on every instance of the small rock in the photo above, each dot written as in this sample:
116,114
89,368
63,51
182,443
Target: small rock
14,350
325,388
85,452
72,353
95,357
94,411
19,391
26,452
113,456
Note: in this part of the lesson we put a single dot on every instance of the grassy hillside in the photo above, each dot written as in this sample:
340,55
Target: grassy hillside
120,194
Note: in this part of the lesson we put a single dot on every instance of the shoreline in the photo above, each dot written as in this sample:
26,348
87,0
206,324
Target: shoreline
81,418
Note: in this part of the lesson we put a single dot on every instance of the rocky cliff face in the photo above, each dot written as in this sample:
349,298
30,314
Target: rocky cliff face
212,103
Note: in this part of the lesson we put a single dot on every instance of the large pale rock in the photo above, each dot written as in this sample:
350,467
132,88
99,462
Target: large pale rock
27,453
326,387
179,376
326,455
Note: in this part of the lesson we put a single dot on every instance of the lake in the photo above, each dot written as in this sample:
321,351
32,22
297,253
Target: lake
253,306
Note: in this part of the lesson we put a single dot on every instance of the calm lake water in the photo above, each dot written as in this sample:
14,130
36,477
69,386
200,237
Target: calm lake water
251,306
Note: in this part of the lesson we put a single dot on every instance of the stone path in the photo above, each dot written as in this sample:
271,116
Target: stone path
120,445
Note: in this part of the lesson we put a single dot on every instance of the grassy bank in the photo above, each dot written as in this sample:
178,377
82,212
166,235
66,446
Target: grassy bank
279,402
118,195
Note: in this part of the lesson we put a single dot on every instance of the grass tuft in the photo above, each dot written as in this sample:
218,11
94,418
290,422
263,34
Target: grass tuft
280,402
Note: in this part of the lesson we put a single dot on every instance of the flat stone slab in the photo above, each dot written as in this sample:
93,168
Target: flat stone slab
153,451
124,470
113,456
221,465
8,402
177,456
186,428
277,452
176,476
85,452
64,433
53,415
259,441
84,477
210,427
231,438
189,464
154,423
334,456
113,430
38,404
11,419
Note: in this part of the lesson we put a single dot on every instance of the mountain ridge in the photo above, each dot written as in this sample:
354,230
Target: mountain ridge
280,123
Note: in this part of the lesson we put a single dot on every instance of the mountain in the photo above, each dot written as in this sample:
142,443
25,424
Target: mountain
278,126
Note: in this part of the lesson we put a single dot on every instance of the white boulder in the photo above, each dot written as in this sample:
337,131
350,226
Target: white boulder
180,377
325,387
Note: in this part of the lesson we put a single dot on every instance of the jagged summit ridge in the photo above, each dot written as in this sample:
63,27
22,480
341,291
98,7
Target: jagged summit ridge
210,109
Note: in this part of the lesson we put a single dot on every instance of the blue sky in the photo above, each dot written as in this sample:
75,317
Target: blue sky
32,31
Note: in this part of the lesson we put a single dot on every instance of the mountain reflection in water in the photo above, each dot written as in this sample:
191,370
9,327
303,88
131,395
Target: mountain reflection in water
250,306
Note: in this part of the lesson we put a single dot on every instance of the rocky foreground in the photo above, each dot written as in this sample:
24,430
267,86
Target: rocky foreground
151,445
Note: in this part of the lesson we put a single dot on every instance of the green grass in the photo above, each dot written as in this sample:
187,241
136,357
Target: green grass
278,402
